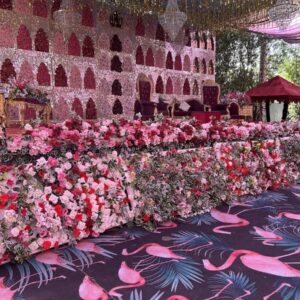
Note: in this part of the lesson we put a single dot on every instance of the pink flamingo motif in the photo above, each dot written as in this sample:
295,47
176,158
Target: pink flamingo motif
288,215
166,225
127,275
156,250
90,290
5,292
283,285
89,247
231,219
258,262
218,294
269,236
177,297
52,258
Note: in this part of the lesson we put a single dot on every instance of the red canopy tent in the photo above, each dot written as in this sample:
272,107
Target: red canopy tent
278,89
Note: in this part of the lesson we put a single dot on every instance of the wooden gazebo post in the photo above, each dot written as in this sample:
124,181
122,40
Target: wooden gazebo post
285,111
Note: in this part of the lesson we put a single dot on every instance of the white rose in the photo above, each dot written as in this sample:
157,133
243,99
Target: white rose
33,246
81,226
48,190
53,199
67,166
69,155
28,127
69,186
15,232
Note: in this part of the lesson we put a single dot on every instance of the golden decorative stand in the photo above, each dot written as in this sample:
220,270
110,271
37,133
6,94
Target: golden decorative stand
43,110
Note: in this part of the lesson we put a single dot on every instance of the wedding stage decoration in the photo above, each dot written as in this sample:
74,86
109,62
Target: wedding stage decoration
64,182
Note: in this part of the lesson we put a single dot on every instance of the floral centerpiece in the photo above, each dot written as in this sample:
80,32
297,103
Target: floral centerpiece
21,89
239,98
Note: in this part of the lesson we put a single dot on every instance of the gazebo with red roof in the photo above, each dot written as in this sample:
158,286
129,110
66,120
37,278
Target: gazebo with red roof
276,89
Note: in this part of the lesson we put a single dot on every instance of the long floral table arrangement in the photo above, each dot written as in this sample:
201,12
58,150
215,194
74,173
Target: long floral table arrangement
63,182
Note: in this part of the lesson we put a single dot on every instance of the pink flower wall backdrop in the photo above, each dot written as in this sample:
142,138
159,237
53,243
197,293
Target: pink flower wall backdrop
75,78
41,41
7,70
22,6
74,45
87,17
58,44
6,36
40,8
43,76
25,73
71,60
23,39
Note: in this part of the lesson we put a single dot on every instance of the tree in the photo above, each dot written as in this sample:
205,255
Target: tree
284,60
237,60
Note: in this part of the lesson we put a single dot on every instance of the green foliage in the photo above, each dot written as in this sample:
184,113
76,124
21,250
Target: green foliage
284,60
237,60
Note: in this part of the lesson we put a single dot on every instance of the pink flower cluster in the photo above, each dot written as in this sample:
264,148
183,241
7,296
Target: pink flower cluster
60,200
236,97
127,134
78,193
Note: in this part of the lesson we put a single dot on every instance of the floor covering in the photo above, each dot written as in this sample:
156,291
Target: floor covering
249,250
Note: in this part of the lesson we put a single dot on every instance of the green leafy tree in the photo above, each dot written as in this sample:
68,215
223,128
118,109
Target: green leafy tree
284,60
237,60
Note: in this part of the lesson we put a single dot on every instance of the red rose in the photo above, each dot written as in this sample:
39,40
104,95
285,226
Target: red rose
91,192
10,182
274,156
146,218
41,173
13,206
46,245
126,200
59,210
42,206
3,200
78,217
76,232
76,156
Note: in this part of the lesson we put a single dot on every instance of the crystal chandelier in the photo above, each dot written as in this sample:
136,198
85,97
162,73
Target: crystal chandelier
172,20
283,12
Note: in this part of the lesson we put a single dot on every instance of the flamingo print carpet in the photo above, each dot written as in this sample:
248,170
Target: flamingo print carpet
250,250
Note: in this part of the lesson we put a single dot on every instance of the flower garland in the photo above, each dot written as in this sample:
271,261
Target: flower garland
82,191
131,136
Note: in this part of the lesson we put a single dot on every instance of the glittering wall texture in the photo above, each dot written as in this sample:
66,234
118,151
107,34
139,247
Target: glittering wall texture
94,67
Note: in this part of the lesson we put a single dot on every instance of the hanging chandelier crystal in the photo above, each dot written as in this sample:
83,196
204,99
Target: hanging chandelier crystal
283,13
172,20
